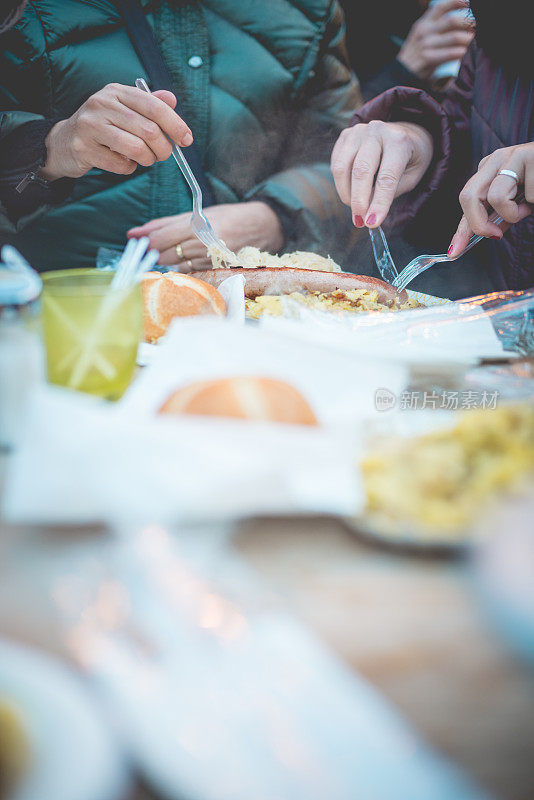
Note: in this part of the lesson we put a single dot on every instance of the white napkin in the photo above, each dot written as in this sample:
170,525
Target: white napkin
233,294
340,386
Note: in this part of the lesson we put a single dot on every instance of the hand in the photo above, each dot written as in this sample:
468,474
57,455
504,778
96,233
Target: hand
489,190
237,224
376,162
116,129
438,36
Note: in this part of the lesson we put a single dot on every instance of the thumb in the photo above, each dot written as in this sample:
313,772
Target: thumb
167,97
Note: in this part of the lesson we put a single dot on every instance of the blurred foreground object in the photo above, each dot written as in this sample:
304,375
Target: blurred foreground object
21,361
14,747
61,746
504,568
91,334
261,399
400,43
439,482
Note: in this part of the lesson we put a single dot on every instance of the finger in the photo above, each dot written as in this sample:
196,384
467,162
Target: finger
474,196
439,10
457,21
168,236
148,131
392,169
191,266
167,97
440,55
364,170
473,199
151,226
126,144
449,39
503,189
155,109
343,155
192,250
461,238
105,159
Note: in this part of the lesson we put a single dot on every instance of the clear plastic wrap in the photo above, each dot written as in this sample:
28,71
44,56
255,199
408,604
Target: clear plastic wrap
489,326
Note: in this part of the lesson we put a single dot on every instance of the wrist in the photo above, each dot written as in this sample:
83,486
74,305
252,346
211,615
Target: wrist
413,63
420,136
271,225
53,168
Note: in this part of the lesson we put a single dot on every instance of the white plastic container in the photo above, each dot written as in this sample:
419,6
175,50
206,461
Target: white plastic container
21,354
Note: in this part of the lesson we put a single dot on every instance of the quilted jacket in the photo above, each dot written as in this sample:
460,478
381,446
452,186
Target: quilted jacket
486,109
265,88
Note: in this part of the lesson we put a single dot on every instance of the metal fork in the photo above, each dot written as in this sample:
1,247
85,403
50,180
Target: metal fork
384,261
200,225
422,263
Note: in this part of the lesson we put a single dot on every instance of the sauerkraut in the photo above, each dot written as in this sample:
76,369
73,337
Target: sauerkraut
251,257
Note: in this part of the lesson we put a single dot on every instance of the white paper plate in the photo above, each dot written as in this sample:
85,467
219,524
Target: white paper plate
73,755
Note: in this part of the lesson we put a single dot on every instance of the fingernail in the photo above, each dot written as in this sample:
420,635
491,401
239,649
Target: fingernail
187,140
371,219
496,238
358,221
449,251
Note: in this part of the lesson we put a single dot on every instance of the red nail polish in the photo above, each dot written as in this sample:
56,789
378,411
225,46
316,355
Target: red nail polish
371,219
449,251
496,238
358,221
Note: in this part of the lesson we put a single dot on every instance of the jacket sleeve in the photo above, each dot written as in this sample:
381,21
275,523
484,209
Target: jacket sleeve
448,122
303,191
25,119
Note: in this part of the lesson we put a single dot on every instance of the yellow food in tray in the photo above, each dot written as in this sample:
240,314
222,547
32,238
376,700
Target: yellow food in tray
440,482
352,301
14,748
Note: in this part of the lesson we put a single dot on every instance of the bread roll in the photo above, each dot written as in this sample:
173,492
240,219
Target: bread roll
251,398
171,295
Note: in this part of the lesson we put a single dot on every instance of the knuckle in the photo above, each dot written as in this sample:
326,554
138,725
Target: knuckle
77,144
466,195
150,131
361,170
166,150
339,167
376,126
137,149
386,180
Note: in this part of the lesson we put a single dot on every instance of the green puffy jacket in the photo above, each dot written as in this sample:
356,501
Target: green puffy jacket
266,103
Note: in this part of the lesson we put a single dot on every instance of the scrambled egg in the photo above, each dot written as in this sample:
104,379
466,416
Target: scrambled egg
441,481
354,300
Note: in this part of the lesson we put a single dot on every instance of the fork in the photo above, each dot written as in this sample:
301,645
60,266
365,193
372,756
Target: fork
384,261
422,263
200,225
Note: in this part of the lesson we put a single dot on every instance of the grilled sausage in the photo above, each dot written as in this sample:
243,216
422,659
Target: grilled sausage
284,280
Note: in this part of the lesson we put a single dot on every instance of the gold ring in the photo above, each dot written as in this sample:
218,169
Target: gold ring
189,264
179,252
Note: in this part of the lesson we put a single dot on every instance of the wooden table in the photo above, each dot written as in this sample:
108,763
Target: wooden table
414,627
411,625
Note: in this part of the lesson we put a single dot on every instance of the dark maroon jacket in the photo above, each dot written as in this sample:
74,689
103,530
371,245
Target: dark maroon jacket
485,109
